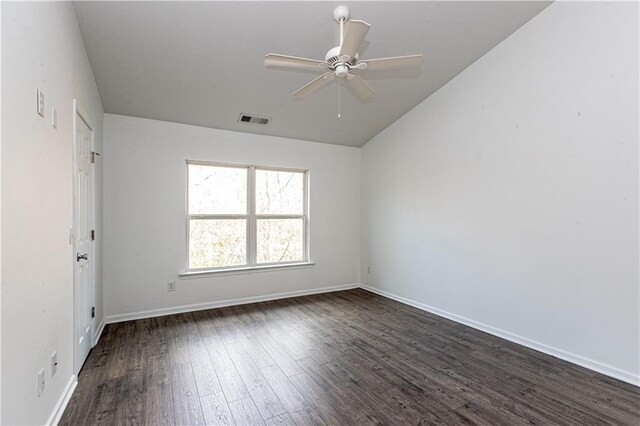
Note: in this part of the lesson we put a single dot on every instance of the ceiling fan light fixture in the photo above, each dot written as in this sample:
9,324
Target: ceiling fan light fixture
342,71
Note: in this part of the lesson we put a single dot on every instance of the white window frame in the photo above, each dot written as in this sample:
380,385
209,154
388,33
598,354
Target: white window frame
252,220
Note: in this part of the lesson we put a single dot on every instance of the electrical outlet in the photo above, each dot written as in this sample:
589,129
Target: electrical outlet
368,269
40,382
40,103
171,286
54,363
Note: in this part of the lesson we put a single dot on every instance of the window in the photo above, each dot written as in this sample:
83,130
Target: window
245,216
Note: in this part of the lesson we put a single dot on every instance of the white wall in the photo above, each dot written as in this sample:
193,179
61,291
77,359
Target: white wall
144,215
0,221
509,198
41,48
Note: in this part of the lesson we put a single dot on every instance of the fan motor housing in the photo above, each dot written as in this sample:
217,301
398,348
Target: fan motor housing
334,60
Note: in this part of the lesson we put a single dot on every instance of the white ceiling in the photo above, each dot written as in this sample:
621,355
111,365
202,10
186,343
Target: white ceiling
201,63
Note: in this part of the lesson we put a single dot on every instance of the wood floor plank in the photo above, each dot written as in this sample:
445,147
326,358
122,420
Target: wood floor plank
99,355
307,417
134,384
358,384
259,356
322,401
358,407
132,411
117,362
264,398
349,357
159,369
244,412
158,338
282,419
205,322
288,394
230,381
177,339
287,364
139,346
84,397
186,403
216,411
204,372
159,405
107,397
227,325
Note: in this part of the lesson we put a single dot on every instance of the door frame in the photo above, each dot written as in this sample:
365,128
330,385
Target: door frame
79,112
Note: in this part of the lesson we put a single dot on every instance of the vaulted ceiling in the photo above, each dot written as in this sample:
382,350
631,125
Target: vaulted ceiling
202,63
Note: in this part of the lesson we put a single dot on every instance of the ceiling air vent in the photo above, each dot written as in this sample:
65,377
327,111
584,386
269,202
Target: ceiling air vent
254,119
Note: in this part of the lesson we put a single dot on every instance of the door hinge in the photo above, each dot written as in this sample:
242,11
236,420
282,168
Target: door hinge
93,156
93,312
93,235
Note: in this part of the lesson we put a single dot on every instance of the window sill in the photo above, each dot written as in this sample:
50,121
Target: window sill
243,270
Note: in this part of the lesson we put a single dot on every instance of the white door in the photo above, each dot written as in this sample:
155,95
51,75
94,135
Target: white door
83,244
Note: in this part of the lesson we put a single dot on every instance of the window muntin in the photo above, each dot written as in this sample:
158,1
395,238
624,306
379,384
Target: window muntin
244,216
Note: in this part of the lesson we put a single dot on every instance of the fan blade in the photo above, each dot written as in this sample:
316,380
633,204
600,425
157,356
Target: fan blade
314,85
353,38
360,89
393,63
276,60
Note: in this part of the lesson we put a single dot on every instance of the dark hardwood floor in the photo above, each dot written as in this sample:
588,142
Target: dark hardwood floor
349,357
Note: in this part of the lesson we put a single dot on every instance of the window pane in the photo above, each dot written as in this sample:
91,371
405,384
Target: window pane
280,240
279,192
217,242
217,190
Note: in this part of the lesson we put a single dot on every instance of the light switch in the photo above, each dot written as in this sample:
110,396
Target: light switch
54,363
40,382
40,103
54,117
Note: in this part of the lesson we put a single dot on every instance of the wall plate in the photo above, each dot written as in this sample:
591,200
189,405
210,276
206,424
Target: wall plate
40,103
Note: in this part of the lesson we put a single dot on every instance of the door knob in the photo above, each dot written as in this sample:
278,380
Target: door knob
79,257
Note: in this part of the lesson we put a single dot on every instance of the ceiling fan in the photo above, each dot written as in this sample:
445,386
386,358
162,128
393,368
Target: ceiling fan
342,63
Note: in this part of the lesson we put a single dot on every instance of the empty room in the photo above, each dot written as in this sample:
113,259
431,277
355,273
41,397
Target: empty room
320,213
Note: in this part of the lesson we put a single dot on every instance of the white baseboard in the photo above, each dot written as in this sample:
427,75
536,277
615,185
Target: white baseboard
223,303
599,367
99,330
58,410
